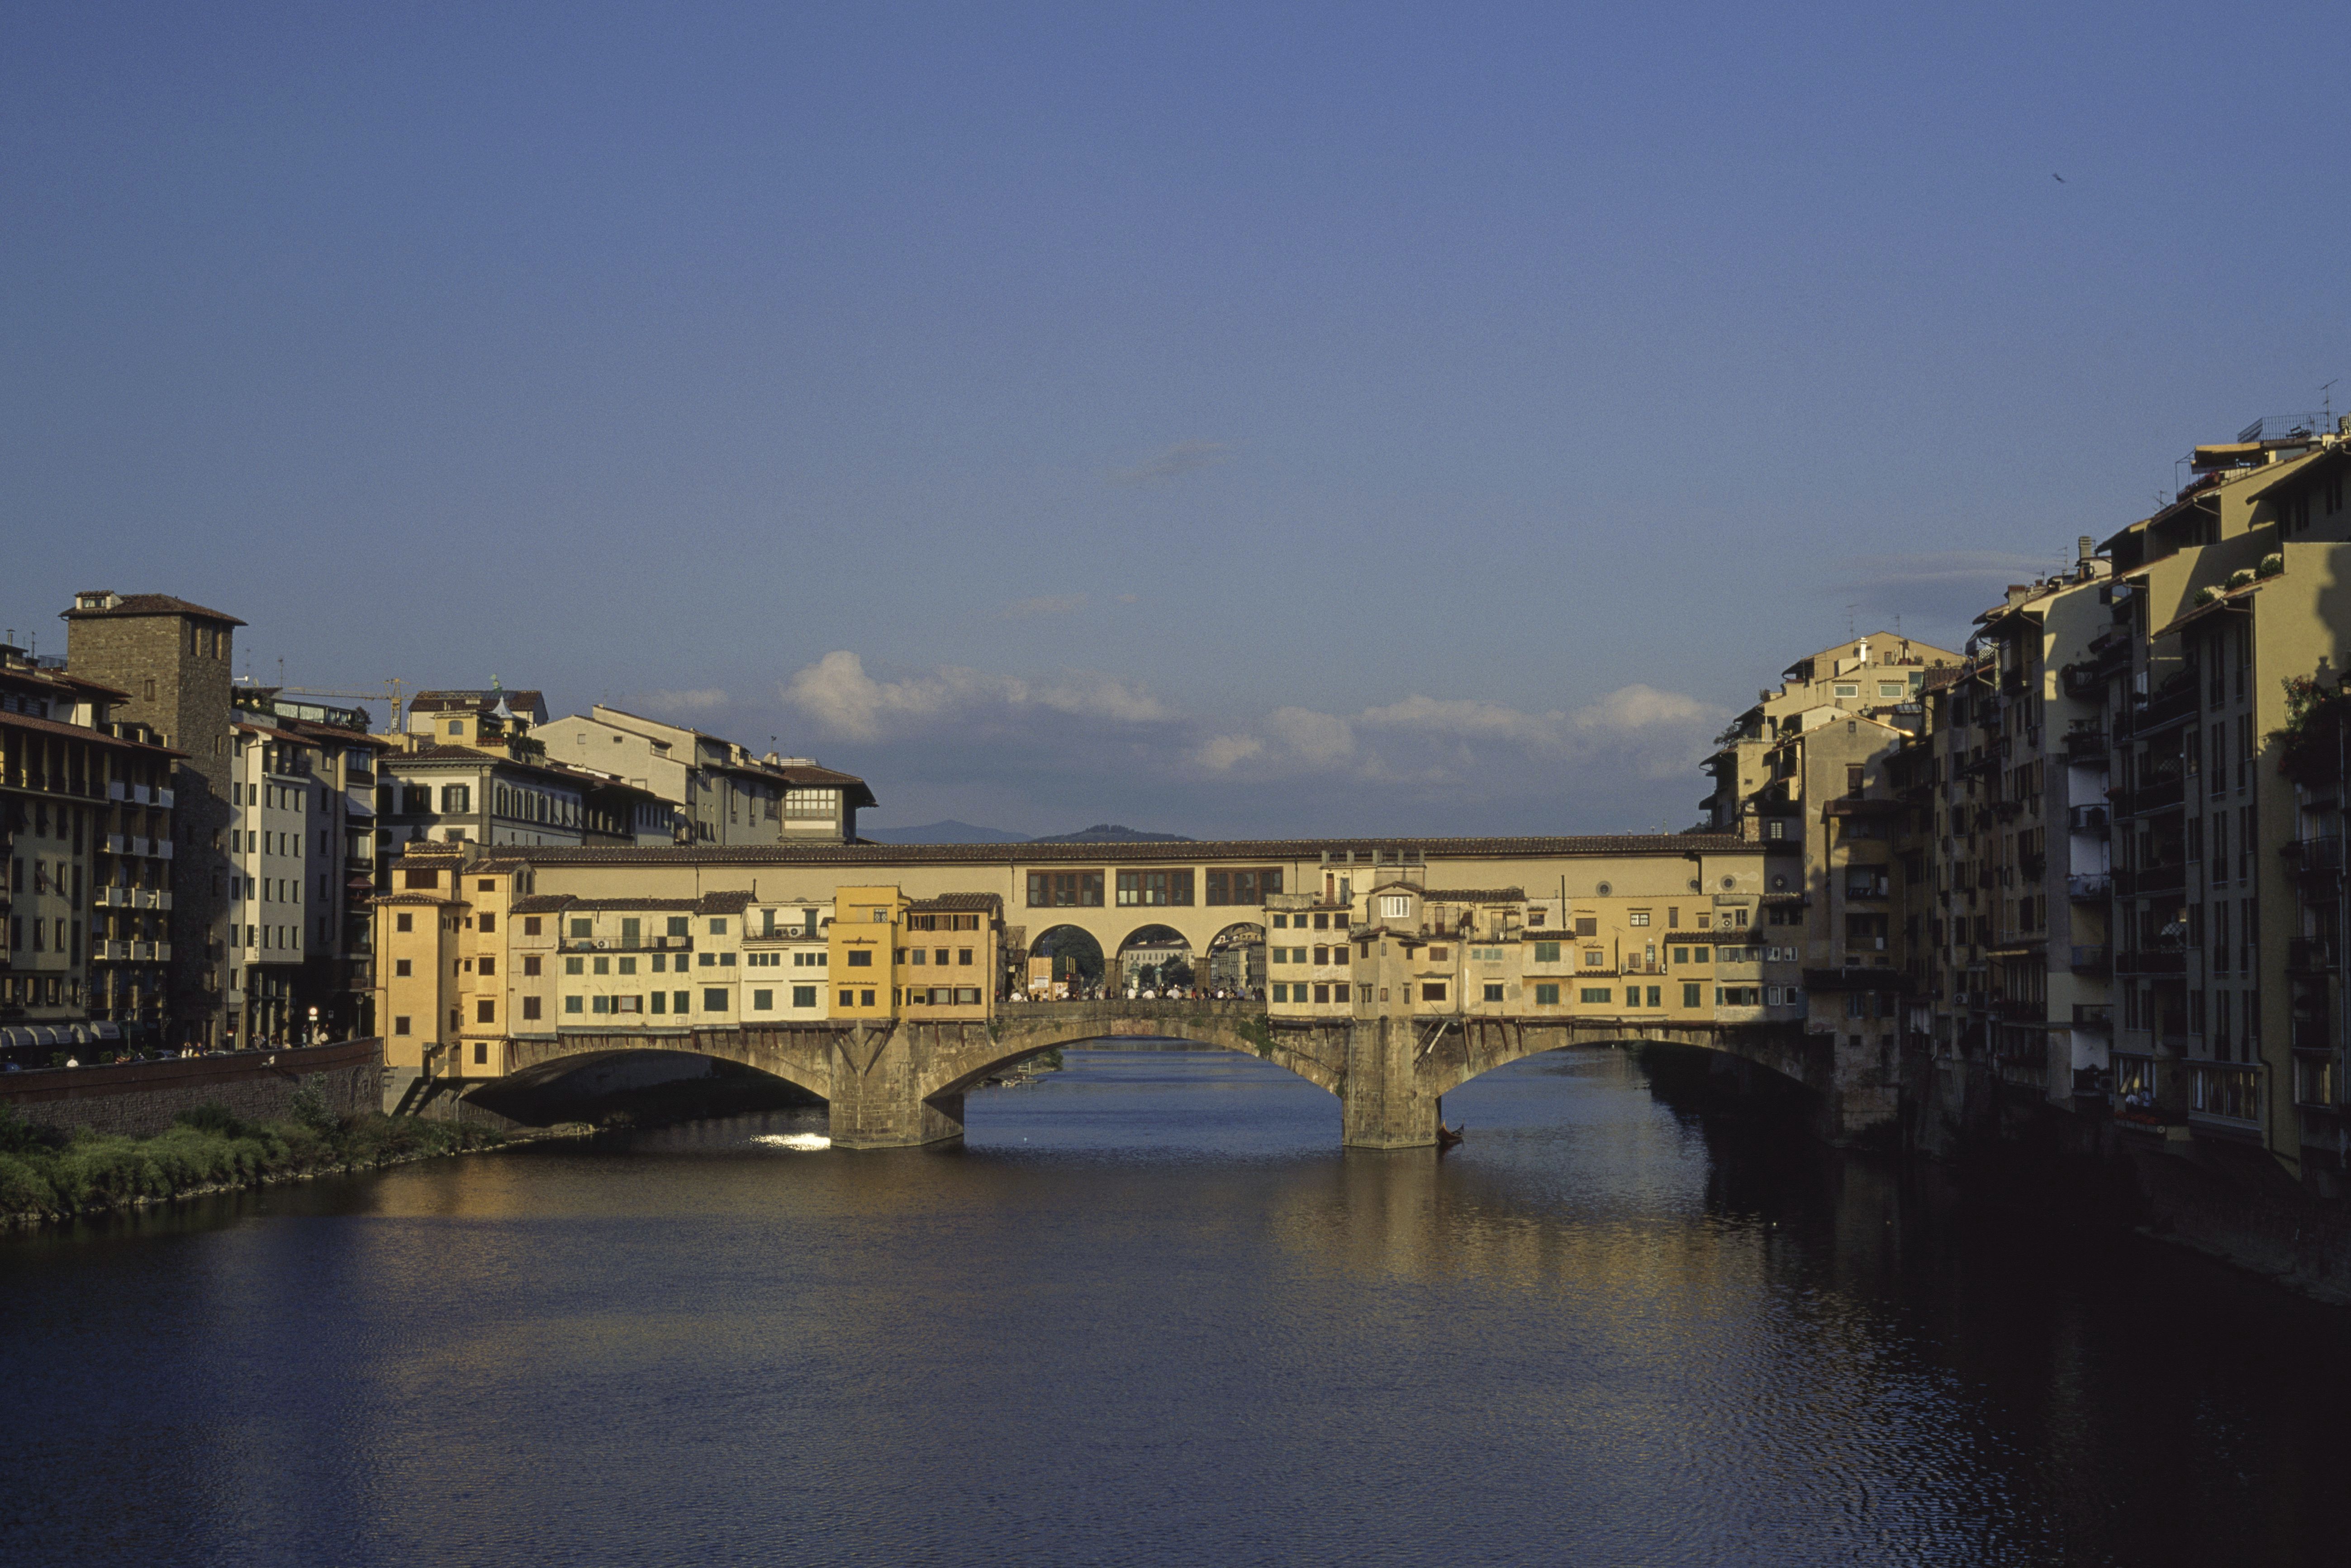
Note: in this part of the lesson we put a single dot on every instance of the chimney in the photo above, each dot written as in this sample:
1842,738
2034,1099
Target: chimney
2084,547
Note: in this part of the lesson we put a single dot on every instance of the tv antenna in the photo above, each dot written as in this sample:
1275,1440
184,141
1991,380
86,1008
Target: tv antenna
2326,397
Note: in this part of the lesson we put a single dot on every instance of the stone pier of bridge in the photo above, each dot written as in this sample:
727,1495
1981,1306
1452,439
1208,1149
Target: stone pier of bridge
900,1084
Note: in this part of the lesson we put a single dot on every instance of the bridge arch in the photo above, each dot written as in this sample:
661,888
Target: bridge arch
1234,958
1075,953
1318,1055
1152,957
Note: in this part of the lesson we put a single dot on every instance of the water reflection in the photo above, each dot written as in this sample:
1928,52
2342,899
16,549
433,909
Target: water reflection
1150,1314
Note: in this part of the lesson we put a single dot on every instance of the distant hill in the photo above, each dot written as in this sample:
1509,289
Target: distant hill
1113,834
947,832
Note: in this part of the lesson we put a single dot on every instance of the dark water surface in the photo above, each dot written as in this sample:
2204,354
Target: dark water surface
1150,1314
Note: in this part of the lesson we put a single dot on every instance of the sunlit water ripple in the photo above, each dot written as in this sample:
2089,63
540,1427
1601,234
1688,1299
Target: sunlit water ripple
1150,1314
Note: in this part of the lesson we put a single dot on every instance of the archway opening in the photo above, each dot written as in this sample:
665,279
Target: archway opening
636,1088
1065,964
1236,964
1156,961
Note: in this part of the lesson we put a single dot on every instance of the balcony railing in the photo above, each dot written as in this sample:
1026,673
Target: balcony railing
2084,744
626,944
2091,959
2089,819
132,897
2310,955
2094,1015
2311,1034
2169,878
2090,886
2150,961
2158,795
2317,856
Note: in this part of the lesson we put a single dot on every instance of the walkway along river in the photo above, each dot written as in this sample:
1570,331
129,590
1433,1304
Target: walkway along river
1149,1312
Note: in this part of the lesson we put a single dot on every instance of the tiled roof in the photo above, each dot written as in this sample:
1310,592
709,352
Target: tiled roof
871,854
733,902
474,700
1474,895
406,898
541,904
81,732
683,906
152,604
982,901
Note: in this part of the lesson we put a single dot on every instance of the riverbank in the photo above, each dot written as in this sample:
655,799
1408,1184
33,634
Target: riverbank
50,1175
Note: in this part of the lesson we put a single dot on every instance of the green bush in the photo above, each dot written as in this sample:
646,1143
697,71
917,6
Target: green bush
2272,565
44,1172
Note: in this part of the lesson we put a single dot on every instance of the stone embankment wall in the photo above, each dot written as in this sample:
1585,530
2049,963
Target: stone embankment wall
2228,1200
140,1098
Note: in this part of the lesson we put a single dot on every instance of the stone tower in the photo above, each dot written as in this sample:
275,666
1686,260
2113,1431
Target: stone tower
173,659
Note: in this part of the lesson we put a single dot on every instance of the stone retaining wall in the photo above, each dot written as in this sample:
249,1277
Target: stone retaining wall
141,1098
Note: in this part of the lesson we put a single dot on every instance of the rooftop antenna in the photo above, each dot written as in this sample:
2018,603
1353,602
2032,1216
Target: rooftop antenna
1849,608
2326,396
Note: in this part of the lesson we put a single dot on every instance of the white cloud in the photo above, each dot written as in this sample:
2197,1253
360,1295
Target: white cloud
838,695
1218,753
702,699
1184,458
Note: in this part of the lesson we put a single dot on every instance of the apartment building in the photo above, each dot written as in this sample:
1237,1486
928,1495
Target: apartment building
85,838
301,854
170,660
481,777
723,793
473,957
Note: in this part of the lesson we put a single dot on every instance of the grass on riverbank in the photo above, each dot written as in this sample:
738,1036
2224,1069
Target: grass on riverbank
48,1174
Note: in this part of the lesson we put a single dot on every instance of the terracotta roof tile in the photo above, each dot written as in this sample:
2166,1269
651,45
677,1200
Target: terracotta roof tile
883,855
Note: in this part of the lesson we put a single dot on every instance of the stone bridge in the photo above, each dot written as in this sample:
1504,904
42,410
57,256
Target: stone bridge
898,1084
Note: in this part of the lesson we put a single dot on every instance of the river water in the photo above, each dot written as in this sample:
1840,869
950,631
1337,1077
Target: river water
1150,1314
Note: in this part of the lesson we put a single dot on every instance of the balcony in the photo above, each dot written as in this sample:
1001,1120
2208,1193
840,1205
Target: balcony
2084,744
2313,857
2166,708
2097,1016
2158,795
2310,956
2089,819
2012,1011
2150,961
622,944
2311,1034
2091,959
2171,878
2088,886
132,897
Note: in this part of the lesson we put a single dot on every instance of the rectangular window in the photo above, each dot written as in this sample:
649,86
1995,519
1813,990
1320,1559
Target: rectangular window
599,1004
681,926
530,968
418,876
714,999
1595,994
1636,917
1654,1000
864,999
399,968
1546,952
489,921
400,1024
677,1001
575,966
1587,925
1243,886
487,965
582,929
1546,995
1322,993
1065,889
1280,992
603,965
529,1007
571,1004
858,958
486,1011
1690,994
803,995
530,925
661,1001
1153,888
1432,990
1493,993
763,1001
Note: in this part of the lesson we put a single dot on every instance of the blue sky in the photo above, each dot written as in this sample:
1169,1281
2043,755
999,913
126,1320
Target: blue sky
1224,419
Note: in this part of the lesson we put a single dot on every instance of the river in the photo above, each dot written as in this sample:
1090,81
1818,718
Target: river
1150,1314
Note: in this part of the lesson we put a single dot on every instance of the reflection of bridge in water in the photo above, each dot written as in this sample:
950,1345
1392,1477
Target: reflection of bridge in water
901,1083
